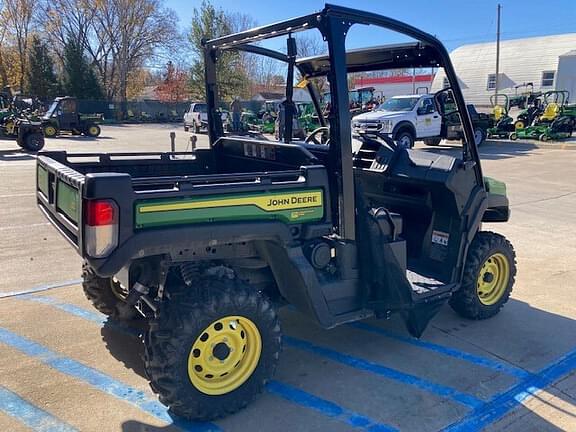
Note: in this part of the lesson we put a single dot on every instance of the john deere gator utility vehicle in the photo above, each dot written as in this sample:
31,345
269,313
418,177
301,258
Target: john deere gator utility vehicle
206,246
63,116
19,125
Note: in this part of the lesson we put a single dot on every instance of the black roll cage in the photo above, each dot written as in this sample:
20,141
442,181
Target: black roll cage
333,22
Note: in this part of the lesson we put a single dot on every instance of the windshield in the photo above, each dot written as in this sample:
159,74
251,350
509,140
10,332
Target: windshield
201,108
398,104
52,109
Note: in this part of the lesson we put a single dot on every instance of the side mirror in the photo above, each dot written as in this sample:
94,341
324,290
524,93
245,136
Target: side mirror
444,101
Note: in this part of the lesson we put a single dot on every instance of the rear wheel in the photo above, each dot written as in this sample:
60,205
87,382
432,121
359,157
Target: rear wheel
106,295
33,142
93,130
405,139
186,128
212,348
432,141
489,275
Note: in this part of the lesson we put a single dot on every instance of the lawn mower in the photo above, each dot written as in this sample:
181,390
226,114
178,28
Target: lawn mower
525,98
560,128
501,122
554,102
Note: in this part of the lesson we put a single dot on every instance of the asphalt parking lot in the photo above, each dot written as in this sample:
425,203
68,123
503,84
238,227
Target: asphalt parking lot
65,367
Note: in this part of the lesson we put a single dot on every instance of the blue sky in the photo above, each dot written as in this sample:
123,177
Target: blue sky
455,22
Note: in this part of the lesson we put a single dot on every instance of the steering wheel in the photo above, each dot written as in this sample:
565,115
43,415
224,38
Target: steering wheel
324,138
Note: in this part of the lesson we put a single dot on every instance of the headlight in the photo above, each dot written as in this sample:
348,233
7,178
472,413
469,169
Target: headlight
386,126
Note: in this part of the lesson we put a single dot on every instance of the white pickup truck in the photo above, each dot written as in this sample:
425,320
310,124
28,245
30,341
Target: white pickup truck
411,118
196,118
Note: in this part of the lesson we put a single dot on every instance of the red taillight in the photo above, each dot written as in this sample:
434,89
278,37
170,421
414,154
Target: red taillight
101,227
101,212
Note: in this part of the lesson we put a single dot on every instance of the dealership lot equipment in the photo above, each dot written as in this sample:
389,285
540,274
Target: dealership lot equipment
502,123
206,246
63,116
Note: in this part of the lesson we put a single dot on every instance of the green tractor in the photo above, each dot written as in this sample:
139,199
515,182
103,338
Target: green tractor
501,122
63,116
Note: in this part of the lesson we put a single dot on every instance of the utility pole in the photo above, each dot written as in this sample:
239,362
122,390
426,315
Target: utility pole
498,50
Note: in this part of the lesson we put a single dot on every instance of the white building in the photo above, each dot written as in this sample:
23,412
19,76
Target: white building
548,62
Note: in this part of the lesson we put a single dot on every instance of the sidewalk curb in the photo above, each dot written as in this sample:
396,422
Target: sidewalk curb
553,145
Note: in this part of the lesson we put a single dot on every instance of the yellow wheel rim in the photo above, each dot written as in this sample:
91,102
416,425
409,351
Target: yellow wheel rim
50,131
225,355
93,130
519,125
493,279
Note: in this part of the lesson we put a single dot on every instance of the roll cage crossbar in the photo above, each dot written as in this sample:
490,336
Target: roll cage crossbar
333,22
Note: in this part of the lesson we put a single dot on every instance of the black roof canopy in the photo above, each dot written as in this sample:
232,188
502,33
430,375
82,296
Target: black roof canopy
397,56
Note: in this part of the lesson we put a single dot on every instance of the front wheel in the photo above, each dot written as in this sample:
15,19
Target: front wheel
519,124
50,131
33,142
489,275
544,137
405,139
513,136
212,348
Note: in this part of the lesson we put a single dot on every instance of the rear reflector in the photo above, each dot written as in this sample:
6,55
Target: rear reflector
101,212
101,228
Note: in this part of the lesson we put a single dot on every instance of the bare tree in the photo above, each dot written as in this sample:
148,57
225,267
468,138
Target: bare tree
130,32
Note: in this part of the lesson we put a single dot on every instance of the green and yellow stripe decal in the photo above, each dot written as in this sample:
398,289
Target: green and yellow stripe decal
295,206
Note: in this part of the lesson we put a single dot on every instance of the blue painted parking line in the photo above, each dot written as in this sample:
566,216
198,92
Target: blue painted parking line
30,415
40,288
368,366
325,407
503,403
98,380
285,391
95,317
461,355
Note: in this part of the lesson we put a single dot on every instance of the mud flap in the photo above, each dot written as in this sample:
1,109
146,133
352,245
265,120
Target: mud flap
417,318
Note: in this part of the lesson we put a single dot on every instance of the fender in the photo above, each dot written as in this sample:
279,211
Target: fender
404,124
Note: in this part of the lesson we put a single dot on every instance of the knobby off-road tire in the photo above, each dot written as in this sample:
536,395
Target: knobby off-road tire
489,275
102,293
188,330
33,142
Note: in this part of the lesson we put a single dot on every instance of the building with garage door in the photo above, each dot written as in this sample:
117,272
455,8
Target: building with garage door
548,62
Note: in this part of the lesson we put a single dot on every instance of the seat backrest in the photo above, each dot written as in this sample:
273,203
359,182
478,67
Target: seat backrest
551,111
498,112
